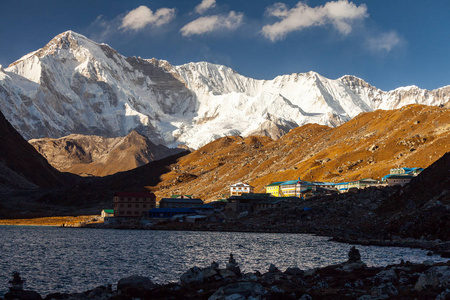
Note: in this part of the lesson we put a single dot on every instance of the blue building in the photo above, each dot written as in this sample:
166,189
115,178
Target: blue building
167,213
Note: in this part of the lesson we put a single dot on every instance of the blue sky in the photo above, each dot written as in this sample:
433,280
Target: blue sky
388,43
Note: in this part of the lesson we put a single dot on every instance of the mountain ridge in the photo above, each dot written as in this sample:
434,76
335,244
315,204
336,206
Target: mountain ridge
99,156
75,85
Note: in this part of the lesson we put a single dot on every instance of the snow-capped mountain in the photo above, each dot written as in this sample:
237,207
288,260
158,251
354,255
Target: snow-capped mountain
74,85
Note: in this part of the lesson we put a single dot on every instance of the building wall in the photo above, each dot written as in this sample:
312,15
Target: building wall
398,181
240,189
179,203
274,190
130,206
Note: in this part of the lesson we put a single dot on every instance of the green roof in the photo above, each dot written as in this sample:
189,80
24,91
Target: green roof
109,211
275,183
177,196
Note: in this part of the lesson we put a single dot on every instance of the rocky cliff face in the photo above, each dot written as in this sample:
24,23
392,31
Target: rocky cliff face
76,86
99,156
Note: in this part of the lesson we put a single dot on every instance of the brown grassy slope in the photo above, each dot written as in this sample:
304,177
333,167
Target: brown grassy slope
367,146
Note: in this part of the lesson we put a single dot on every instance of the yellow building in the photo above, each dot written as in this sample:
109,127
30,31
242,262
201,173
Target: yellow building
274,189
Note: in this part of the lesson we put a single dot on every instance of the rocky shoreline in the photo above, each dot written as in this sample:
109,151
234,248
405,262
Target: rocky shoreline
352,279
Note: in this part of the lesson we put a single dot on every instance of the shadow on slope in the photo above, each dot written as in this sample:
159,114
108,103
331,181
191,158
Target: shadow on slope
21,166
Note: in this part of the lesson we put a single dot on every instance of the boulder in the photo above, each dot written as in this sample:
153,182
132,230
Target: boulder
384,291
23,295
135,282
294,272
273,269
239,290
209,273
444,295
349,266
225,273
433,277
385,276
192,276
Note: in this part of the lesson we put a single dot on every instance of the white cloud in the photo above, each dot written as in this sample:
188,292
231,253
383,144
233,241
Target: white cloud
208,24
341,14
204,6
384,42
142,16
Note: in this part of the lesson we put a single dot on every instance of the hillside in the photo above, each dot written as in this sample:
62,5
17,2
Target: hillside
21,166
367,146
99,156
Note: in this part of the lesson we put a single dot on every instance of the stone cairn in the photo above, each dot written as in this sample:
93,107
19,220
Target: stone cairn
16,283
233,266
353,255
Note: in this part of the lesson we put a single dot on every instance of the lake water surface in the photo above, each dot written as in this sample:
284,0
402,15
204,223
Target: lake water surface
74,260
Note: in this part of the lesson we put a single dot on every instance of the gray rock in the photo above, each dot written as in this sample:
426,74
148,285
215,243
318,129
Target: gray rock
225,273
294,272
239,290
192,276
310,272
209,273
23,295
276,289
135,281
273,269
445,295
385,276
249,277
97,293
384,291
323,284
433,277
305,297
350,266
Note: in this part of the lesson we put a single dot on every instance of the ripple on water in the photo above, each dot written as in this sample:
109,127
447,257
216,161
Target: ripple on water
74,260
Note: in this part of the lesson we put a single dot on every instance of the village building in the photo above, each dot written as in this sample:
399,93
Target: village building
107,213
289,188
240,188
274,188
399,179
344,187
269,204
245,202
256,202
182,202
401,176
409,171
167,213
133,204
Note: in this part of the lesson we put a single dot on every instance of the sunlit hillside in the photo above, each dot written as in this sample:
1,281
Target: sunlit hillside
367,146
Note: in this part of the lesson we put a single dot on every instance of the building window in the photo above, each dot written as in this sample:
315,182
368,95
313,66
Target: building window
121,205
128,212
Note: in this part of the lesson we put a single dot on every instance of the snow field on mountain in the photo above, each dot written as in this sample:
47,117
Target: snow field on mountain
74,85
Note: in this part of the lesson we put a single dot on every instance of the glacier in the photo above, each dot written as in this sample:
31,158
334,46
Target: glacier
76,86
